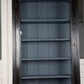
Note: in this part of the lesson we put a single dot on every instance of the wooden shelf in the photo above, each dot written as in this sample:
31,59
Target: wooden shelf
45,20
44,0
45,77
44,40
46,59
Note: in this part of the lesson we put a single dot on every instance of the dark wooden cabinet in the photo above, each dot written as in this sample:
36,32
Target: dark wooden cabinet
46,42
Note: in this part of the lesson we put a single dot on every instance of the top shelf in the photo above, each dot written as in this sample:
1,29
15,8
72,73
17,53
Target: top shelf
45,20
44,0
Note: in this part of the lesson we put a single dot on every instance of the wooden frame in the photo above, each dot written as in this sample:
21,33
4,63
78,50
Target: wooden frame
16,42
74,42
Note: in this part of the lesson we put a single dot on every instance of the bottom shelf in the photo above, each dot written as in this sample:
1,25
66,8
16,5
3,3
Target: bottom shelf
58,80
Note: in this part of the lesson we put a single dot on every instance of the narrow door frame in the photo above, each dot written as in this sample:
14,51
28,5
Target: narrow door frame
74,42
